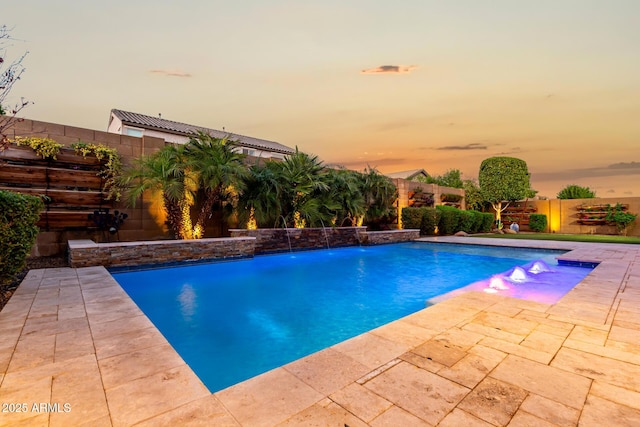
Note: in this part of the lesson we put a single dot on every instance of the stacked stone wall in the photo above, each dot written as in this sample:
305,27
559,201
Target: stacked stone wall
86,253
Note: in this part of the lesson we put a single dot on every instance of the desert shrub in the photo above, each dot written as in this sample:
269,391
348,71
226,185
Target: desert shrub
412,217
18,216
537,222
430,220
487,222
449,220
466,221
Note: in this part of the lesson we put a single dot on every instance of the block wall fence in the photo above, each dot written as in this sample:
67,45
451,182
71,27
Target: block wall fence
563,215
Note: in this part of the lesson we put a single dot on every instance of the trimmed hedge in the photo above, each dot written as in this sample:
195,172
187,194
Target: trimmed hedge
477,220
487,222
18,216
430,221
449,220
537,222
467,222
425,219
412,217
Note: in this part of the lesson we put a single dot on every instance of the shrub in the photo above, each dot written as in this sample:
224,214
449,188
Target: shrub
537,222
478,218
576,192
18,216
617,215
449,220
466,222
487,222
412,217
430,220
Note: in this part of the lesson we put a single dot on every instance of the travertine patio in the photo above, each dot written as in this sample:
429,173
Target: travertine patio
72,336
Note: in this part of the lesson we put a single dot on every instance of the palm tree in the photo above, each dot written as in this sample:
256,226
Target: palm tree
301,176
218,171
163,172
262,195
380,194
343,200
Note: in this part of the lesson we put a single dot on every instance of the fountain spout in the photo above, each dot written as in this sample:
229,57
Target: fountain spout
286,230
325,234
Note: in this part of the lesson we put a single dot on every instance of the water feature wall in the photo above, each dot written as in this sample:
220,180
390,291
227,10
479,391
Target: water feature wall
281,239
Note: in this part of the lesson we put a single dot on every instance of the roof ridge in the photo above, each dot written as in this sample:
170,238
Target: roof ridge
186,129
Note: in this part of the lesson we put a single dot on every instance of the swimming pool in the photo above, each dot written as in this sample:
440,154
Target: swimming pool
233,320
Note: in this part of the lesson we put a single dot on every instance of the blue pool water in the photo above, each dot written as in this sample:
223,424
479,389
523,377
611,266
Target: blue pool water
233,320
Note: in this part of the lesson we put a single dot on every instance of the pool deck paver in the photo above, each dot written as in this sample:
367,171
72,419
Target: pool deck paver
73,336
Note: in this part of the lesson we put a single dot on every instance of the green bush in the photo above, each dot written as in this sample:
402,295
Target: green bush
450,217
487,222
617,215
537,222
412,217
478,218
466,222
18,216
430,220
576,192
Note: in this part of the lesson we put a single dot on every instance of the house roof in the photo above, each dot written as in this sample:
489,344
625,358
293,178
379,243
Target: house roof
178,128
408,175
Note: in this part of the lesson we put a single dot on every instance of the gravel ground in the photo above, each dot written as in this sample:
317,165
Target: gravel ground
33,263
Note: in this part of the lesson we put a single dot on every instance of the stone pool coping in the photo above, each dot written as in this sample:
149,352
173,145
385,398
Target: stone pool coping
74,336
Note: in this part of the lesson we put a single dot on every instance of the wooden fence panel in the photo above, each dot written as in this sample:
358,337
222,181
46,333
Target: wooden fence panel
69,185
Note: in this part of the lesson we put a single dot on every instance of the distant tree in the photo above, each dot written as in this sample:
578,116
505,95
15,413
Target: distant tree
504,179
9,74
451,178
472,196
576,192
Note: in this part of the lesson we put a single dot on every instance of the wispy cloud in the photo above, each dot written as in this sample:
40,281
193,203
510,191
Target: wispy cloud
171,73
390,69
471,146
615,169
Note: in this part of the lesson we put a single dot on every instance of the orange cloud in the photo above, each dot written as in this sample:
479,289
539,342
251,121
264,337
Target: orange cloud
390,69
171,73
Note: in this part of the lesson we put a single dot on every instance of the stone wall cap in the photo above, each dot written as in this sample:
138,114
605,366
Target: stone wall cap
82,243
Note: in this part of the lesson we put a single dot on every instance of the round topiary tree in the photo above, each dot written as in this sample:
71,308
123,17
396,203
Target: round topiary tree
503,179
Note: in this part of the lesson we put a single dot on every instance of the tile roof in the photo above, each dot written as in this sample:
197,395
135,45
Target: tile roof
169,126
410,174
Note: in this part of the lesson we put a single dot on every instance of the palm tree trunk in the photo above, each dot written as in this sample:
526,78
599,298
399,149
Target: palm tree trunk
211,197
174,216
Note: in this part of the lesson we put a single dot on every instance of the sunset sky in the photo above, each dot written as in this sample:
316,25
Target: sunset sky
394,85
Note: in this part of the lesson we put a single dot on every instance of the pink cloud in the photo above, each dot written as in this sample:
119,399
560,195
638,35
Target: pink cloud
390,69
171,73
